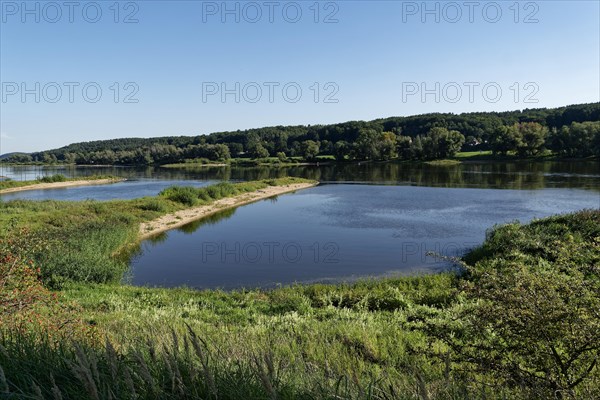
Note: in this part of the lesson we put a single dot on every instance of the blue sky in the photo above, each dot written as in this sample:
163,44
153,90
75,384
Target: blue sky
350,60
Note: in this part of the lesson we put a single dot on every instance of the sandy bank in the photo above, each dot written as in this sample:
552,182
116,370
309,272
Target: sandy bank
183,217
60,185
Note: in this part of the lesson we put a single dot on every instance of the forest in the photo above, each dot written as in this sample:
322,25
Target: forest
571,131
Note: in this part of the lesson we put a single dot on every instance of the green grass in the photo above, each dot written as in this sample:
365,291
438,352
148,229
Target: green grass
190,196
442,163
471,154
195,163
545,155
9,184
318,341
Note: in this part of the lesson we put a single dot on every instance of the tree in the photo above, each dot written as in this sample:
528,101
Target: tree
366,146
505,139
442,143
387,146
309,149
257,151
403,145
221,152
280,142
281,156
559,141
532,138
235,149
49,158
416,148
535,326
502,132
341,150
20,158
374,145
576,140
447,143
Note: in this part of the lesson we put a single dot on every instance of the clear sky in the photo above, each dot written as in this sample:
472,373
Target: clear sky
163,65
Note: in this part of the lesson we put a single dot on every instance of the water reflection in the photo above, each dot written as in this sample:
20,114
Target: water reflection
339,232
514,175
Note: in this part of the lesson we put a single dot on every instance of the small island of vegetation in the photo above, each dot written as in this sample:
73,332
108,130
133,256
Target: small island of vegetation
55,182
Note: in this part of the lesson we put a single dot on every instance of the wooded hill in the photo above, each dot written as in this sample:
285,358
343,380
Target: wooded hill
427,136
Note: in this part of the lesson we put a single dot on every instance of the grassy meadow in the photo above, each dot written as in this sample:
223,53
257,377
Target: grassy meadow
517,319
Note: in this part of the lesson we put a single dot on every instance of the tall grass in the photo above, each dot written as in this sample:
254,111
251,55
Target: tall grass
290,343
191,196
53,178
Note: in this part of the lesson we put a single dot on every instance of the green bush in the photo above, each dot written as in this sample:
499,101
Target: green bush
153,205
184,195
53,178
531,318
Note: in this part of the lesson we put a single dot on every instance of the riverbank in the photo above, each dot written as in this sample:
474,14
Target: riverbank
184,217
21,186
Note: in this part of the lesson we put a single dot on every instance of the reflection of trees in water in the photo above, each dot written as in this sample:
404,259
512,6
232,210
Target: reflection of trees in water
505,175
158,238
131,254
208,220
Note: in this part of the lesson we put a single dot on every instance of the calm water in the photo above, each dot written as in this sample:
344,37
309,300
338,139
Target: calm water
340,232
129,189
363,220
517,175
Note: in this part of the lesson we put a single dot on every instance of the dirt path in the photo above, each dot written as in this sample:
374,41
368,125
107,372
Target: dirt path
60,185
183,217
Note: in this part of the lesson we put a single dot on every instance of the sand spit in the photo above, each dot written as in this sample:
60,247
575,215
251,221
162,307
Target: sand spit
60,185
183,217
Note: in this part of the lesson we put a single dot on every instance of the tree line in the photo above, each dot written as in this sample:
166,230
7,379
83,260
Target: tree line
571,131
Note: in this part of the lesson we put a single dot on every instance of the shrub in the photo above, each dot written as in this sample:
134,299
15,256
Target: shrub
26,306
53,178
531,314
152,205
184,195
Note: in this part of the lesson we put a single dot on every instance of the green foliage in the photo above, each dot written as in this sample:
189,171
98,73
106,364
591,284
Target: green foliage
442,143
53,178
190,196
86,254
309,149
296,342
185,195
485,131
532,137
152,204
531,314
281,156
576,140
26,306
372,144
439,143
526,139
